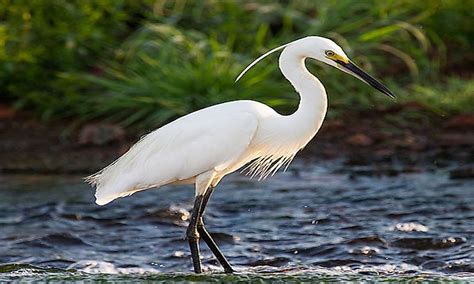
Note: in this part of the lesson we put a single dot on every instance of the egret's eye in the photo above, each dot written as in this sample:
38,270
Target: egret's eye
329,53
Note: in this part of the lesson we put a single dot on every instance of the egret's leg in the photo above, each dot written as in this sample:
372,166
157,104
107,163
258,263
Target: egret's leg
207,237
192,234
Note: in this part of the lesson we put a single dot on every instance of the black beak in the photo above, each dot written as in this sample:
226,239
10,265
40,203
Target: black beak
354,69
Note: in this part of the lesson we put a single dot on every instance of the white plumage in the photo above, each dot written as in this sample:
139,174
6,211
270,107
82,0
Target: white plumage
204,146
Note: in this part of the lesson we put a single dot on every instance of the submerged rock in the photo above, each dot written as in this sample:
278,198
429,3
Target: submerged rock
428,243
462,173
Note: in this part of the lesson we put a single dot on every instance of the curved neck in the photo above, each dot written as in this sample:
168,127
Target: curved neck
313,100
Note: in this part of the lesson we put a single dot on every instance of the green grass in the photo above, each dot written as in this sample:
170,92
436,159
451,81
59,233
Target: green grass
453,96
147,62
165,74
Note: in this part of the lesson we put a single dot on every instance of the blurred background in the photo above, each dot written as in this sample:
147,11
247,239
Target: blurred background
95,72
149,61
80,81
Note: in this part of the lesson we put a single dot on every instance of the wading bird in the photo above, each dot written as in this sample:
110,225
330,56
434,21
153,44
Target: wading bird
204,146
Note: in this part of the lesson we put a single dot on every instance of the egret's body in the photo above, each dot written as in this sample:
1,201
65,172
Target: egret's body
204,146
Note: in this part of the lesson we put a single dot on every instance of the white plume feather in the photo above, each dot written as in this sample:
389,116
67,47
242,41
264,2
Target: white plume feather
258,60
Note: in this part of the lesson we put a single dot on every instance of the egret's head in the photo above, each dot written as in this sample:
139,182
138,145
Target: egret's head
319,48
327,51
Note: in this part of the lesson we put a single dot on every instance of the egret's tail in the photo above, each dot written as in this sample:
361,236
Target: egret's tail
107,191
104,193
130,172
102,199
102,196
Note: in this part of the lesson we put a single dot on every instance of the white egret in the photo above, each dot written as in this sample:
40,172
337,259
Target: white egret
204,146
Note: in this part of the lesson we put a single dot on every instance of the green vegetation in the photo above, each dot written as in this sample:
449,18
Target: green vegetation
149,61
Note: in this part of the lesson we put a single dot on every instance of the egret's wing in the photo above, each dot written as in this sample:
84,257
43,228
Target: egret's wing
180,150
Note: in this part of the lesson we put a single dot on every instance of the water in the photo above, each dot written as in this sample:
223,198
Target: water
314,222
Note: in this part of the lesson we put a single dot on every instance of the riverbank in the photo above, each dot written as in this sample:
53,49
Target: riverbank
401,139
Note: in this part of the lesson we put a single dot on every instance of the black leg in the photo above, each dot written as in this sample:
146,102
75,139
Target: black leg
192,234
205,199
207,237
214,248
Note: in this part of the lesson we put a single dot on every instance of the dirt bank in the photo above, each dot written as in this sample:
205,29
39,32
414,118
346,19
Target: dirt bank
405,138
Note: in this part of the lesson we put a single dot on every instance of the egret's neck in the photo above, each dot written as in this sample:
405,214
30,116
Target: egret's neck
313,100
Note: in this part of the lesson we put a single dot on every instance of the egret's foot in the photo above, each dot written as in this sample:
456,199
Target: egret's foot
214,248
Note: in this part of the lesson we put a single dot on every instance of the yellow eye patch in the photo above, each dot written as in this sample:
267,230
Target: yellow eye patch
336,57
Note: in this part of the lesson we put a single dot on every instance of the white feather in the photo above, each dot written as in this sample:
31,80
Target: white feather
258,60
166,155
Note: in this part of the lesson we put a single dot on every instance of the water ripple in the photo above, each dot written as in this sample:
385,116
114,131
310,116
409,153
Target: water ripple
317,223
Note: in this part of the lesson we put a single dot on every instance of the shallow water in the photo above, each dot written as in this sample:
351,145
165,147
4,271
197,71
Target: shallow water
316,221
